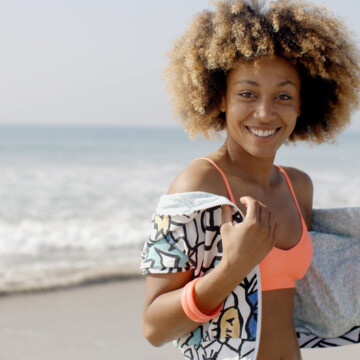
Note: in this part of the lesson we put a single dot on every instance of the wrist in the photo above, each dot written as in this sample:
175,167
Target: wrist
231,273
190,307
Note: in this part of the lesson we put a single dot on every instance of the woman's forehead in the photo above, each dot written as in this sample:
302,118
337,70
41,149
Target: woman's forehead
275,66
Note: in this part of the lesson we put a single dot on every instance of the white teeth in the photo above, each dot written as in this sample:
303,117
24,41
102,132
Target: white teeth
262,133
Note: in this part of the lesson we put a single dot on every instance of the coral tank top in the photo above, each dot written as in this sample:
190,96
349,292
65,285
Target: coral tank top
281,268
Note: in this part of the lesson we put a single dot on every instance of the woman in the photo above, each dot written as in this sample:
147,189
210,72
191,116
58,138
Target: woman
231,237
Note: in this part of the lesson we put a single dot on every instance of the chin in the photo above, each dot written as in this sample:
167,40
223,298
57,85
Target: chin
263,154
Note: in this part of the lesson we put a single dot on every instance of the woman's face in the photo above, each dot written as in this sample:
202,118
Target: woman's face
262,103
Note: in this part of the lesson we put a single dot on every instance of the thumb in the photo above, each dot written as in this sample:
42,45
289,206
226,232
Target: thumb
252,206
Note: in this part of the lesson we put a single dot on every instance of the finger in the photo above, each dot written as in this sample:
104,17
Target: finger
226,217
252,207
264,215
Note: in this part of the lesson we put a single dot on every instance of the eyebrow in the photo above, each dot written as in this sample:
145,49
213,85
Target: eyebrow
286,82
251,82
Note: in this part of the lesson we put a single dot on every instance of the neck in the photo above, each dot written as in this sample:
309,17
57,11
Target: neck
240,164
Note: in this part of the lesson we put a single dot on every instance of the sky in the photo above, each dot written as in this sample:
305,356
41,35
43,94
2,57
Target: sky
98,62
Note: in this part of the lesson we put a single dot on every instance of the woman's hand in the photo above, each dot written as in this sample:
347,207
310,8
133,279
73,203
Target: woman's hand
247,243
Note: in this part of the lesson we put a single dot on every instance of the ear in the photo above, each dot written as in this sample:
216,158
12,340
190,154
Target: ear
223,103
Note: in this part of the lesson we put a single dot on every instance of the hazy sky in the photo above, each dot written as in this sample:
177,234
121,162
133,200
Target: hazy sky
97,61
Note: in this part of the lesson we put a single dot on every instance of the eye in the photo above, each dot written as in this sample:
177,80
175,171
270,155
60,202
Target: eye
247,94
284,97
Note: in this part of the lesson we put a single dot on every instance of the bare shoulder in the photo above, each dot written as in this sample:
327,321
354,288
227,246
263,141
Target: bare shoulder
298,177
199,175
304,190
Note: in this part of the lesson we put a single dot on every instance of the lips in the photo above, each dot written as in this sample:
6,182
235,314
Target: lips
262,133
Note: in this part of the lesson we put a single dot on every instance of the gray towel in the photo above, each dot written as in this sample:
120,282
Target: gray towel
327,301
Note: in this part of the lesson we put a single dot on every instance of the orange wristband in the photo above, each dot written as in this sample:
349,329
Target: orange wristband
189,305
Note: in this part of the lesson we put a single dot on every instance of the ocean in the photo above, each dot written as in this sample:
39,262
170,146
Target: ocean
76,202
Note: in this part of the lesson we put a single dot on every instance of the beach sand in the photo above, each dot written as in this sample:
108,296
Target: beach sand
100,321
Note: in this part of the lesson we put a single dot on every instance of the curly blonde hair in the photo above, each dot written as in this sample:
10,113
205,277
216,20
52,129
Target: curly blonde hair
308,36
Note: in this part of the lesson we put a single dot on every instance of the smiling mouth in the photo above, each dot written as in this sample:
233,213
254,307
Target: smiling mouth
262,133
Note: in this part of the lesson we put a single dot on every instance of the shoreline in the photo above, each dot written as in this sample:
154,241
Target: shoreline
93,321
70,286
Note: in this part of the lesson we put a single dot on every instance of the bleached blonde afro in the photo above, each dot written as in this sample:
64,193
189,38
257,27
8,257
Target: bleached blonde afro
308,36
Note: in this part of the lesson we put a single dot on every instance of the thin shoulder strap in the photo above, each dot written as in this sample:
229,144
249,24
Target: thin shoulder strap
290,187
223,176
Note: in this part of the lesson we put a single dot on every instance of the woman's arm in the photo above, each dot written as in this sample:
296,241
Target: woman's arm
244,246
163,317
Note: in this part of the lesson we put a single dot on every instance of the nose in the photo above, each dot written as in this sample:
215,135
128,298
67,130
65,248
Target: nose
264,110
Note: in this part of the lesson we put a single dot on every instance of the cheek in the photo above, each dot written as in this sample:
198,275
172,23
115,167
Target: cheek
291,112
291,119
238,109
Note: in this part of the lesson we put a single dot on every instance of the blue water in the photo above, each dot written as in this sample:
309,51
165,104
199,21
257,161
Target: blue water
76,202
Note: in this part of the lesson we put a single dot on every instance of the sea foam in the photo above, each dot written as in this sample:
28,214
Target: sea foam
76,203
